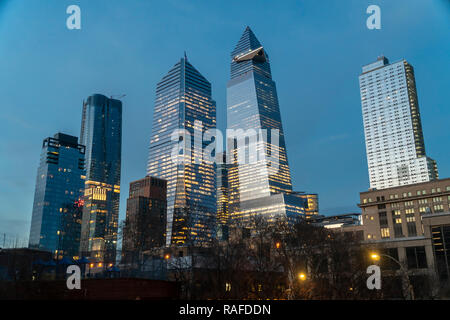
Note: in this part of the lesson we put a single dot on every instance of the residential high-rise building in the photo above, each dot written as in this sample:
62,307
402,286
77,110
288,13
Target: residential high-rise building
56,220
145,224
101,133
183,96
392,126
257,187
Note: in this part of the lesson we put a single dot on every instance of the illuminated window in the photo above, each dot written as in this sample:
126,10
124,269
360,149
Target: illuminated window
437,199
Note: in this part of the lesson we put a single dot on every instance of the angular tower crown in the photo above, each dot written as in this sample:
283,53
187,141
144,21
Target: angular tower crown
249,55
247,42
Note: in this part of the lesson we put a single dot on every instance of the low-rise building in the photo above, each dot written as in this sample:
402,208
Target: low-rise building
411,224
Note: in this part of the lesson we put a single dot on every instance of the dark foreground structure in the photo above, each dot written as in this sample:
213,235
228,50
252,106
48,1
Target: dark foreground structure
91,289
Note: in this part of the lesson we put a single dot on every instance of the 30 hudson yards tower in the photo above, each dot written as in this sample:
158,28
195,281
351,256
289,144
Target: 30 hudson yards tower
256,186
183,100
57,208
392,126
101,133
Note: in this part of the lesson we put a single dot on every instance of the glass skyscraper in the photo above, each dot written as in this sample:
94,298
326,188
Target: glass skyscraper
392,126
257,188
56,220
183,96
101,133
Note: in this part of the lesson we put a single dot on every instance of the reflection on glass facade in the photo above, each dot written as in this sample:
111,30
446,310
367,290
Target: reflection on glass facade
101,133
56,220
286,205
252,103
182,97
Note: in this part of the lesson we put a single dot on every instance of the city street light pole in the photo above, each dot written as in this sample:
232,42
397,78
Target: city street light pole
376,257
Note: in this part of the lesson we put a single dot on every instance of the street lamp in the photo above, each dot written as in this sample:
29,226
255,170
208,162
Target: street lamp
376,256
302,276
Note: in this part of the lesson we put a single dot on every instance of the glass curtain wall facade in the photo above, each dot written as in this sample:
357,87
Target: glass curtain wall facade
392,126
183,96
257,188
101,133
56,219
312,208
441,247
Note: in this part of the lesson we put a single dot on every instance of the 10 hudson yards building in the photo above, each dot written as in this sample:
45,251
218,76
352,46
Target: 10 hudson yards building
101,133
57,207
394,139
257,187
183,97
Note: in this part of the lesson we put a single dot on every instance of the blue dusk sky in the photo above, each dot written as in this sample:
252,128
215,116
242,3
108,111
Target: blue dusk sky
316,50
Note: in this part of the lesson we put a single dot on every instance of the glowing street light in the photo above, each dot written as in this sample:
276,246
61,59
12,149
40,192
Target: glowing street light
278,245
302,276
167,256
375,256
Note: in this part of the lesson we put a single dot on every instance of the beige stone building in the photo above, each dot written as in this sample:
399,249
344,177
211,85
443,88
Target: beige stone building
411,224
395,213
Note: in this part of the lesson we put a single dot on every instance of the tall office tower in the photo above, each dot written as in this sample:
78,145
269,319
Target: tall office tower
394,139
145,224
183,96
257,187
101,133
56,220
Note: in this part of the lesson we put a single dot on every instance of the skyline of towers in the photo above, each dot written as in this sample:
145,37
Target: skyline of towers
101,133
55,223
395,145
199,195
259,184
183,96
